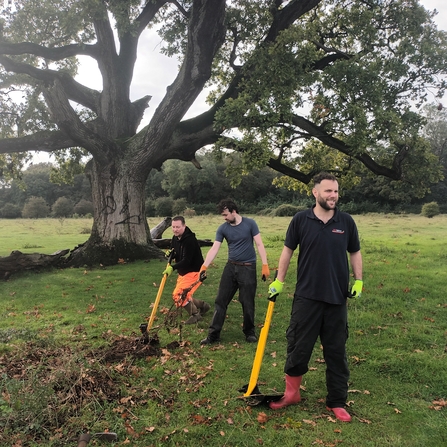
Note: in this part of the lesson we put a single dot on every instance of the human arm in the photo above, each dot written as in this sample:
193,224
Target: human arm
261,249
283,263
275,287
212,253
356,265
263,255
357,269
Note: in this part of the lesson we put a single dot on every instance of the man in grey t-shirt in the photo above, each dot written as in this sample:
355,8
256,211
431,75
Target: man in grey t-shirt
239,272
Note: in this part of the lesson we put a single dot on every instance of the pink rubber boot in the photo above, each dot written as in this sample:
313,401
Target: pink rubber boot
291,395
341,414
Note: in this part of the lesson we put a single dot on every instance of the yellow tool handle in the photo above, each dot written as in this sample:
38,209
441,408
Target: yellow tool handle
157,300
260,350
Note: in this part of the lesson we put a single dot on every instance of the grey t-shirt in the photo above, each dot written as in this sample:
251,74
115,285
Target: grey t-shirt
239,239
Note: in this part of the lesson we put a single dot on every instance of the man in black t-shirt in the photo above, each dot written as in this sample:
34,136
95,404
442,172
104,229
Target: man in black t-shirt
324,235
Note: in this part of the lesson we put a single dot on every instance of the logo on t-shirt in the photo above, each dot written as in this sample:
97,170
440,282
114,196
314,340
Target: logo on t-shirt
335,230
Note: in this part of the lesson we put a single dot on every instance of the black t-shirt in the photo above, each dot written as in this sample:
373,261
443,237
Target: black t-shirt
323,269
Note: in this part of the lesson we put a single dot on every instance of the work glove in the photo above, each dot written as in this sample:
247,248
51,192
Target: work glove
275,288
202,273
265,271
168,270
357,288
170,253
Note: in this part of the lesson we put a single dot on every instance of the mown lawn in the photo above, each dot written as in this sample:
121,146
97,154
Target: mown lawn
71,360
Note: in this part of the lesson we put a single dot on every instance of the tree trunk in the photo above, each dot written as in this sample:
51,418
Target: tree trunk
18,261
120,229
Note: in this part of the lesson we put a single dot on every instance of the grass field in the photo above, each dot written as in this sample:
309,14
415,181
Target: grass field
70,361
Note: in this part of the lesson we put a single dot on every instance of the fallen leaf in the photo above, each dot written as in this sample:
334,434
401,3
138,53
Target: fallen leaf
364,421
262,418
90,309
440,402
310,422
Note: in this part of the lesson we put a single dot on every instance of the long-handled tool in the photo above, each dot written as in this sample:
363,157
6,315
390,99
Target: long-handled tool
85,438
251,390
145,327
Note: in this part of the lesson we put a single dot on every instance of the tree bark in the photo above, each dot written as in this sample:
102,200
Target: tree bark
158,230
120,229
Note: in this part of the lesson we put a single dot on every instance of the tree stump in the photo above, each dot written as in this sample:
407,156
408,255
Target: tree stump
159,229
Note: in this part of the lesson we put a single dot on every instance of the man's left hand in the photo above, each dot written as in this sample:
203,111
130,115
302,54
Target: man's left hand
357,289
265,271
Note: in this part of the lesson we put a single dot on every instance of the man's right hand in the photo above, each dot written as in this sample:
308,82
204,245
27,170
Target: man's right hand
275,288
168,270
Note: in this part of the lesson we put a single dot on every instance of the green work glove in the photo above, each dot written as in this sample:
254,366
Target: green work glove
170,254
275,288
168,270
357,288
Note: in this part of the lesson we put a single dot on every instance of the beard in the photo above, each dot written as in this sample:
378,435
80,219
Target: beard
324,204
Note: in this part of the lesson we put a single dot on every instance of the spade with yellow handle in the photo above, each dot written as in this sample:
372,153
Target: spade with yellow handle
145,327
251,390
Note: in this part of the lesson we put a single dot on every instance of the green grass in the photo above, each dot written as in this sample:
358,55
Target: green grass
55,327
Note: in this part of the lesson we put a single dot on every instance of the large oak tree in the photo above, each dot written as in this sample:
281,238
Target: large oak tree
283,76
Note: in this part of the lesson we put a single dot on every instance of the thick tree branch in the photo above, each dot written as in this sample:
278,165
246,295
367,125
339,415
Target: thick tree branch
286,16
148,13
68,121
51,53
47,141
318,132
74,90
206,33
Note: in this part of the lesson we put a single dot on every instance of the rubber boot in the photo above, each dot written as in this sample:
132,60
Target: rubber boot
341,414
193,312
202,306
292,394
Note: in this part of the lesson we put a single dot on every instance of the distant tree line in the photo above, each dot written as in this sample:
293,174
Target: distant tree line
180,188
35,196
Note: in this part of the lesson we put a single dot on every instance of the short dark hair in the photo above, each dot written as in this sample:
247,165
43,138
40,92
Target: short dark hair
226,204
324,176
180,218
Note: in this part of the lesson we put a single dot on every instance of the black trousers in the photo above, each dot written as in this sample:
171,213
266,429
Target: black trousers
234,278
312,319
